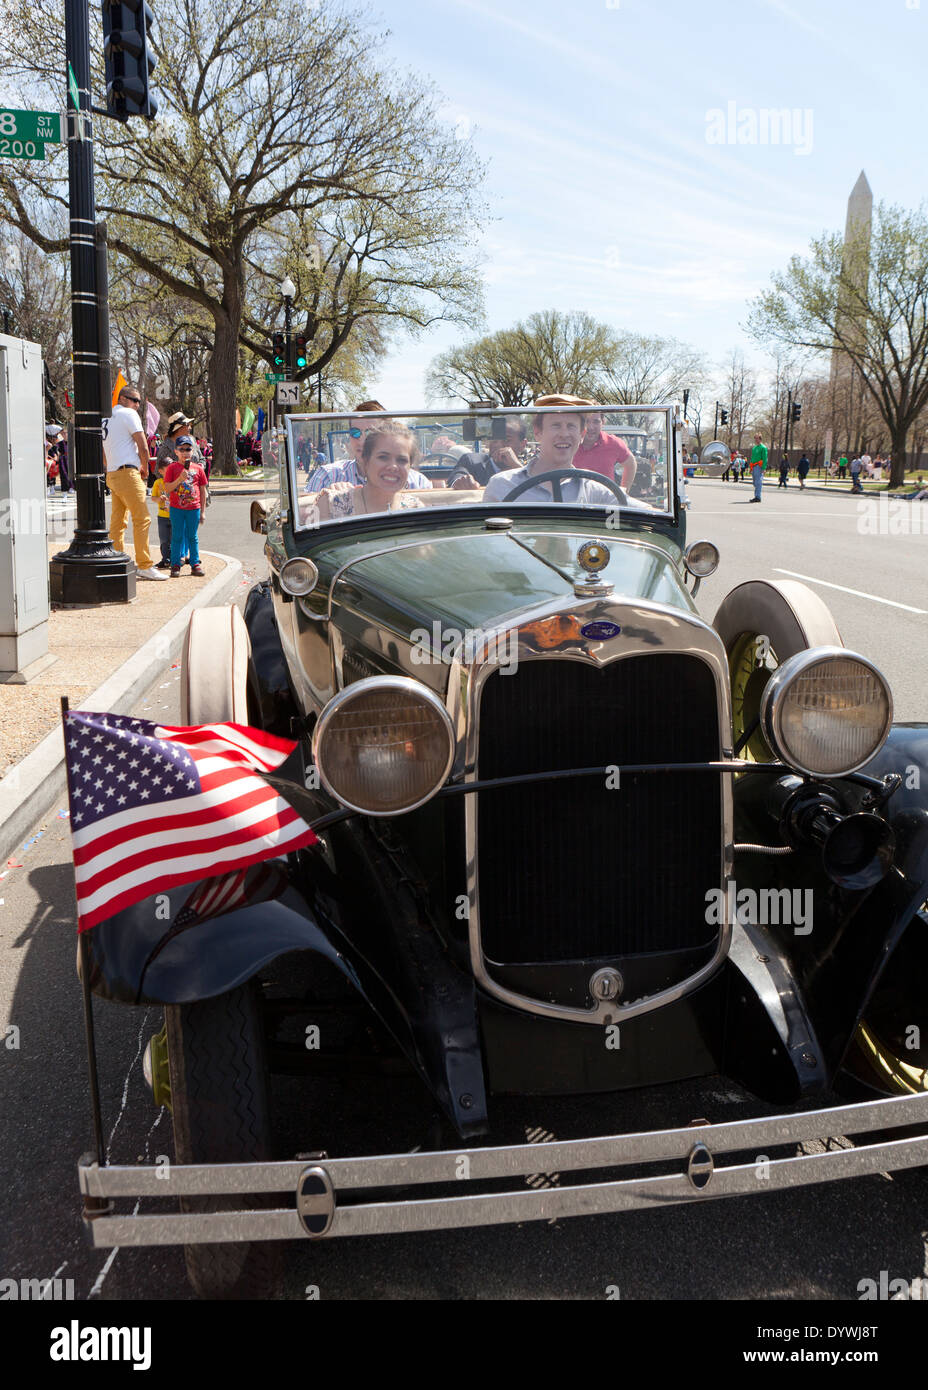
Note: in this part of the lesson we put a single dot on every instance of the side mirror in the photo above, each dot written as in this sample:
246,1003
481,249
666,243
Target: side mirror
258,516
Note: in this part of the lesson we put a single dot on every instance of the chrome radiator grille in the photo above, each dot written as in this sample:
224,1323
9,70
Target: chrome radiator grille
571,869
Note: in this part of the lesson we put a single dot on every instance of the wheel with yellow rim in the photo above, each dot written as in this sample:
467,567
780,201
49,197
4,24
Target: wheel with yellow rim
763,623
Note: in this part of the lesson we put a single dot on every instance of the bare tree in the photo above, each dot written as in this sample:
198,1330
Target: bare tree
645,369
274,117
34,290
867,300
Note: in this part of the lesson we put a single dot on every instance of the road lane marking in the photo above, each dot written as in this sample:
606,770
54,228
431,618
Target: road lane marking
858,593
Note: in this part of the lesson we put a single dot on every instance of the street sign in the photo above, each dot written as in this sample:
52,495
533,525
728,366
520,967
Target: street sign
288,393
275,376
31,125
21,149
24,134
75,97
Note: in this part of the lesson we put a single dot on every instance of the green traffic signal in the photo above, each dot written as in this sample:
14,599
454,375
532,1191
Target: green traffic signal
301,361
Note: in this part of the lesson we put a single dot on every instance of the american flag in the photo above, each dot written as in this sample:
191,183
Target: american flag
154,806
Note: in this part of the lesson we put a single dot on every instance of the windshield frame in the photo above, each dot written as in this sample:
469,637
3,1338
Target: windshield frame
668,515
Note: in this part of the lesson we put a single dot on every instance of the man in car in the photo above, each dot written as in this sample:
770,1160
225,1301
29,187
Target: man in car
476,469
603,453
350,470
557,437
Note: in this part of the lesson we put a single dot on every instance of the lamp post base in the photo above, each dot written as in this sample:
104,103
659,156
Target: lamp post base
91,574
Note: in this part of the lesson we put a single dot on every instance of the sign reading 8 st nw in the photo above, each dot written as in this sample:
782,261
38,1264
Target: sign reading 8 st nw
24,134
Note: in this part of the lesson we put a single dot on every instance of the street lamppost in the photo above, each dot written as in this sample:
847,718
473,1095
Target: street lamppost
89,571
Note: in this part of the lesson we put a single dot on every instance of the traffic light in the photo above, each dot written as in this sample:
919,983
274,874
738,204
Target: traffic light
301,358
280,352
797,411
128,59
723,417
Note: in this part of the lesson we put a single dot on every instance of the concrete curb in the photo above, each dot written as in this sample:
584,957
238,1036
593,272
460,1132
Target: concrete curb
842,491
33,786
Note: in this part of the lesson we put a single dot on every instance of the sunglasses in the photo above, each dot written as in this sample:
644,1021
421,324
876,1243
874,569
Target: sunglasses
136,400
184,449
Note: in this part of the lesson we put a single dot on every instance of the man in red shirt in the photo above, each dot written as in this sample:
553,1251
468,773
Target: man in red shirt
602,452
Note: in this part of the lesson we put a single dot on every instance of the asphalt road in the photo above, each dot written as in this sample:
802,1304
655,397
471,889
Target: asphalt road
815,1243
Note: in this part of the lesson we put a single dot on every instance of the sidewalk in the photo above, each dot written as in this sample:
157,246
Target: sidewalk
105,658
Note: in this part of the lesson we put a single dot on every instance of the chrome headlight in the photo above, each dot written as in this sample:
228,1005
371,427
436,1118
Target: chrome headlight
298,576
701,559
384,745
826,711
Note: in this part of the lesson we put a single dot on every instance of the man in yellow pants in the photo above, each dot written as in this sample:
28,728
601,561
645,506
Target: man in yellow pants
126,450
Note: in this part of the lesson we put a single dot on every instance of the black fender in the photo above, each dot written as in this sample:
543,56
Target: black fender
854,946
270,695
169,949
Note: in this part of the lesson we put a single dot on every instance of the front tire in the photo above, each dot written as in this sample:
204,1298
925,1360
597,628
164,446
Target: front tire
221,1111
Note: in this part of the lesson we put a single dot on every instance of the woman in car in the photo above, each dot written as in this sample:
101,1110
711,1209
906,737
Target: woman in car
389,452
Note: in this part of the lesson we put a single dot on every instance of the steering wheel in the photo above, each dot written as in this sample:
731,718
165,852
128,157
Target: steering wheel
554,477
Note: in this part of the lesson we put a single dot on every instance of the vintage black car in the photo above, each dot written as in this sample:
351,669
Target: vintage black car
573,840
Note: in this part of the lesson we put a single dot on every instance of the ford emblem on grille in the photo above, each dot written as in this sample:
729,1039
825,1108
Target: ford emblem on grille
599,632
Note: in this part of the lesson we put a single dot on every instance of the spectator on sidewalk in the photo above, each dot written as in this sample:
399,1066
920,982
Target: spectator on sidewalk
758,464
185,482
803,469
856,468
842,466
178,424
160,494
784,472
126,450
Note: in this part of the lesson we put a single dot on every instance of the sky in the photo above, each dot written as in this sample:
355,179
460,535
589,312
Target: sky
623,179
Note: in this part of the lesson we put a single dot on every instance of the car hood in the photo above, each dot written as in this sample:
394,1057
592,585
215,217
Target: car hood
475,580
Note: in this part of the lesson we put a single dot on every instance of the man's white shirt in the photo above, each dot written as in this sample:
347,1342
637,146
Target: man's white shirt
118,444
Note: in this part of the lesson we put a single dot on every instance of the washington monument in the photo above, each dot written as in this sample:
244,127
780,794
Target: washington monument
857,229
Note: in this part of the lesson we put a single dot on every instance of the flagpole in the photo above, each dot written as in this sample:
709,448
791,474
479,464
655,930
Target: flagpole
93,1206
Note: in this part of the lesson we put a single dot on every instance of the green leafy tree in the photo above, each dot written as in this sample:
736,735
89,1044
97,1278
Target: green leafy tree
275,120
865,301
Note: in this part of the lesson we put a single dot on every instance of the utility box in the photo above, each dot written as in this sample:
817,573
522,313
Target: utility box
24,594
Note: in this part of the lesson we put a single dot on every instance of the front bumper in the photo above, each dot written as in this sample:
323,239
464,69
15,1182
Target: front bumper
326,1197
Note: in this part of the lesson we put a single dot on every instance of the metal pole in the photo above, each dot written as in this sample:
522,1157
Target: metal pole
789,409
288,324
715,427
319,397
93,1206
103,320
90,571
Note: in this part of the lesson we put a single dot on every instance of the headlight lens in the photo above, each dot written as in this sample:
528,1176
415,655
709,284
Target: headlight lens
826,711
701,559
298,576
384,745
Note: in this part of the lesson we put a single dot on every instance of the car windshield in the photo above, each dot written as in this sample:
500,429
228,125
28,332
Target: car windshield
613,458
